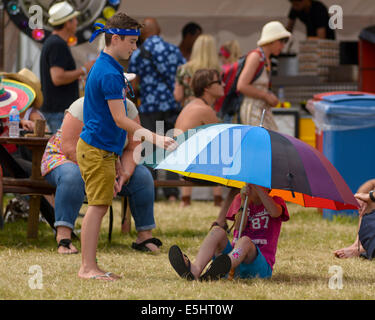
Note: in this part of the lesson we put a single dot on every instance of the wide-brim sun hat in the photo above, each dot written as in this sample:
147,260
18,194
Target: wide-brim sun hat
14,93
28,77
61,12
273,31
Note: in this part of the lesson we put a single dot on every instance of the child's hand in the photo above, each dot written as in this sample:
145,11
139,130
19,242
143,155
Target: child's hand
166,143
27,125
120,178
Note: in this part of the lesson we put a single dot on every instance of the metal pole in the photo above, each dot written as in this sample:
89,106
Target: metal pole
262,118
244,213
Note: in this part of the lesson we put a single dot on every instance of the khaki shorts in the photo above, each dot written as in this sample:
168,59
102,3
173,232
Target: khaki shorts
98,172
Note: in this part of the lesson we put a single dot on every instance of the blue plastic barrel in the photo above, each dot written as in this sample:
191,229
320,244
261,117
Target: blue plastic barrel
347,124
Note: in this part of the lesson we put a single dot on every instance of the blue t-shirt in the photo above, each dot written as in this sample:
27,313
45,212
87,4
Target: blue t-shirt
104,82
156,95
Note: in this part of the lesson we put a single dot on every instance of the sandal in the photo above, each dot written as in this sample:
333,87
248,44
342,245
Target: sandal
106,276
218,269
142,246
176,258
66,244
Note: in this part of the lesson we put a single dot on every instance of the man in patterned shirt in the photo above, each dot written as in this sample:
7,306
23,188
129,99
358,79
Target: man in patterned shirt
155,62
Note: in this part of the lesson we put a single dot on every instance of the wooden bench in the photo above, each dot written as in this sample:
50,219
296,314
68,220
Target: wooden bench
42,187
27,186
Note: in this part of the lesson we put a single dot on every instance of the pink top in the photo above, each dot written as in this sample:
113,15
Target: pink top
53,155
261,228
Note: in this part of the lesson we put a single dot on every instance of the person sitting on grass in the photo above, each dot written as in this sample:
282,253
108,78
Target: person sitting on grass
252,255
366,201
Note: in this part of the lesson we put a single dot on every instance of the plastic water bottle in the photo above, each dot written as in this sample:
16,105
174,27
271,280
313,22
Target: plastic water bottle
281,94
14,123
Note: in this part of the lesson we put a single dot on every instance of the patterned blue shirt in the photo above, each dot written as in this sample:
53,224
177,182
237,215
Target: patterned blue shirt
156,95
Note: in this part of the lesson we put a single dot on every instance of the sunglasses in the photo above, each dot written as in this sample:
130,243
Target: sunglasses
213,82
284,40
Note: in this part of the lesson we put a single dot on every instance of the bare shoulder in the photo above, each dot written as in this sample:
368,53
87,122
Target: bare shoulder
193,114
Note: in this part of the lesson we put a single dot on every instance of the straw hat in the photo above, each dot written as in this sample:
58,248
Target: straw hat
28,77
61,12
273,31
14,93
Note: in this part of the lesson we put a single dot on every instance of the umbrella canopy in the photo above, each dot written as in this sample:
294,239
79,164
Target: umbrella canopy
233,155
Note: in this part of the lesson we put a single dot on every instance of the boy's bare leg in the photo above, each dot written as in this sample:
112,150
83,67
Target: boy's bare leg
214,243
244,251
89,242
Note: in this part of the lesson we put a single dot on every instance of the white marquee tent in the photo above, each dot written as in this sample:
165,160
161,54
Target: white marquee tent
225,19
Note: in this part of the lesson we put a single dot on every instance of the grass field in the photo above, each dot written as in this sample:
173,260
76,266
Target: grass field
302,269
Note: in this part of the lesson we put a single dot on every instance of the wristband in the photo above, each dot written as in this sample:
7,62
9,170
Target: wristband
371,195
84,70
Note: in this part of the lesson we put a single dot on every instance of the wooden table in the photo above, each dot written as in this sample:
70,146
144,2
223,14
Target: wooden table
37,146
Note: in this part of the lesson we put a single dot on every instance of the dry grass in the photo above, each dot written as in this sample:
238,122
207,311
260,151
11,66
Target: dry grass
301,271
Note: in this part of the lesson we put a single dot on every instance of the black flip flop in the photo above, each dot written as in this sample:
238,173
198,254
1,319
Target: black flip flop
142,246
176,258
218,269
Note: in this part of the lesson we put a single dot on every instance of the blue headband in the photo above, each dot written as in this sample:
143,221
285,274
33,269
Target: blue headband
121,32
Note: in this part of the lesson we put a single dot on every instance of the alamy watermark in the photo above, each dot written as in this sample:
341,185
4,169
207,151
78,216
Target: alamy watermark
335,281
336,21
211,148
36,17
36,279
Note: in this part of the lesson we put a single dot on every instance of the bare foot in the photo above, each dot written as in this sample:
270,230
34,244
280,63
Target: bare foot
348,252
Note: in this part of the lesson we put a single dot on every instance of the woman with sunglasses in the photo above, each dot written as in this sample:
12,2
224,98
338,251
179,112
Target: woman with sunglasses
207,88
254,80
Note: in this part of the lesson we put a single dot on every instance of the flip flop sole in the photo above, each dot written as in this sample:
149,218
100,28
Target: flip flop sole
176,258
218,269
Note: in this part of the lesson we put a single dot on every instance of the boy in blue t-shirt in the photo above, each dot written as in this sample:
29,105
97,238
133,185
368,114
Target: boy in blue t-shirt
103,135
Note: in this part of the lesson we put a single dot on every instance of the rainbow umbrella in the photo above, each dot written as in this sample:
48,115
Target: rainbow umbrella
234,154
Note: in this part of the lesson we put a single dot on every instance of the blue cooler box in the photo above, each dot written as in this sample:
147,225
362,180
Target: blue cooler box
347,125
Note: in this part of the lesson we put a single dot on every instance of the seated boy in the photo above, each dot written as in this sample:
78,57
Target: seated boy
252,255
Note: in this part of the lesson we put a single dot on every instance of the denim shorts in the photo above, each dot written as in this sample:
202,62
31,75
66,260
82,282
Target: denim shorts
259,268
